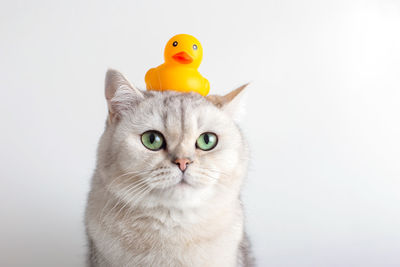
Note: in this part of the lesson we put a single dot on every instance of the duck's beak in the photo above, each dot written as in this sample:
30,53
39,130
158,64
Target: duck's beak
183,57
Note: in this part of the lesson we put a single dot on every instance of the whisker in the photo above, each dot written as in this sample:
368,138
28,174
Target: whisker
140,192
214,170
120,200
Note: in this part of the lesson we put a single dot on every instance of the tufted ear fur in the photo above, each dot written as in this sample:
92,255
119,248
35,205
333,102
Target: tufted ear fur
231,102
120,93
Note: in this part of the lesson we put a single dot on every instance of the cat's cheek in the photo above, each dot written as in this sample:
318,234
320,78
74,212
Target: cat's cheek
133,154
230,151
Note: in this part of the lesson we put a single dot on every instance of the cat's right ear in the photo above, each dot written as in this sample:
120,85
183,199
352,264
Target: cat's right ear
121,95
230,103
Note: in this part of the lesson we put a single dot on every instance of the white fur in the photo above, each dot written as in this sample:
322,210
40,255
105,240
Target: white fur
138,212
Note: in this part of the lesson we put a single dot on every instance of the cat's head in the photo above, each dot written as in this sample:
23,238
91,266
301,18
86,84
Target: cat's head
169,148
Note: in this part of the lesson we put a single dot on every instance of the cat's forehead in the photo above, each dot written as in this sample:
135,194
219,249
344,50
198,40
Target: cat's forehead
174,104
171,99
176,112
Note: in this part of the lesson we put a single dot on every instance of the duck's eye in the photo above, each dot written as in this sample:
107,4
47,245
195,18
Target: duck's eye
153,140
194,47
207,141
175,43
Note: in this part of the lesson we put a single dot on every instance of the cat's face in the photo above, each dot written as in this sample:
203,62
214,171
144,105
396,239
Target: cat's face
173,149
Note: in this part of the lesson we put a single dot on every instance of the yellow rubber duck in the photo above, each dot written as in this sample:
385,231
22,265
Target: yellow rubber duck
182,54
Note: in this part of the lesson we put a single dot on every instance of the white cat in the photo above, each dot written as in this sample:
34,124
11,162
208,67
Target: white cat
166,188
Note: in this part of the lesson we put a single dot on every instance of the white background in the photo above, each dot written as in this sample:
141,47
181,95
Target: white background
322,118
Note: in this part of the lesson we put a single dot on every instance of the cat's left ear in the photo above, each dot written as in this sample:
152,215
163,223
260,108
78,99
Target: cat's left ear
231,103
120,94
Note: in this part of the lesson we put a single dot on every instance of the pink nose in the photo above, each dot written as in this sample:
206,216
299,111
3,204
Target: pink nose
182,163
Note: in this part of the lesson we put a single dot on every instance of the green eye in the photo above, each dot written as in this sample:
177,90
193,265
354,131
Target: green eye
207,141
153,140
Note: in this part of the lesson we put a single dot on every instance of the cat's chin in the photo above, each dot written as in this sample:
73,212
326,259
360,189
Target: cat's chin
182,183
180,194
181,188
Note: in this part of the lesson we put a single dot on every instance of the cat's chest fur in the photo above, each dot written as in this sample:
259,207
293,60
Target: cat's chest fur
161,237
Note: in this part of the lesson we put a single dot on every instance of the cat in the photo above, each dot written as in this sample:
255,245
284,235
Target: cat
166,188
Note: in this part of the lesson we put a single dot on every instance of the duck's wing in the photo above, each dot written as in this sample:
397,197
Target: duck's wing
151,78
206,87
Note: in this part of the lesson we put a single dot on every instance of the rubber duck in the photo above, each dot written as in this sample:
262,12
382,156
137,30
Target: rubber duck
182,54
